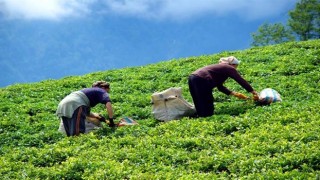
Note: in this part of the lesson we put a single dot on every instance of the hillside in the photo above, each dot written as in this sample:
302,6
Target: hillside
241,140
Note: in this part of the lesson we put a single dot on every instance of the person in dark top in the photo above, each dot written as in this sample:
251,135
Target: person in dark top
75,108
202,81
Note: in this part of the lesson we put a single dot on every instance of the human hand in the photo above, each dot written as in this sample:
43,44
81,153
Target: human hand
255,96
239,95
111,122
101,118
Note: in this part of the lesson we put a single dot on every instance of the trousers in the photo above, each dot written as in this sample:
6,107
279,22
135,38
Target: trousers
202,97
76,124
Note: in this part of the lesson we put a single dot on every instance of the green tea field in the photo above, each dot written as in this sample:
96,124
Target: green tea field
241,141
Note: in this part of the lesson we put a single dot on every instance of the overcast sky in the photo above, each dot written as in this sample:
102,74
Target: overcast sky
147,9
123,32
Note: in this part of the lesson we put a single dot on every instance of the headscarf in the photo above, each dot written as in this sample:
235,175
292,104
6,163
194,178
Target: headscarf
229,60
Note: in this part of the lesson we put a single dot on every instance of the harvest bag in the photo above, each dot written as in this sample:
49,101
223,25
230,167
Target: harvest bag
169,104
269,96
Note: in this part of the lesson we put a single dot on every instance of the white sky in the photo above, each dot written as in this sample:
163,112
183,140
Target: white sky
148,9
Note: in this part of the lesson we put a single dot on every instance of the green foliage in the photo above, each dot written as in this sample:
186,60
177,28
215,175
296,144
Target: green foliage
305,19
303,22
269,34
241,141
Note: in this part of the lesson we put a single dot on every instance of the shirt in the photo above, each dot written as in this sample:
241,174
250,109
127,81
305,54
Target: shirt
217,74
96,95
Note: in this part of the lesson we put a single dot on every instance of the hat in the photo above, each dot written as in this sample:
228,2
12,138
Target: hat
235,61
229,60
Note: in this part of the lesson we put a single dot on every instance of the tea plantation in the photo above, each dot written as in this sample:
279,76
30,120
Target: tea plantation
241,141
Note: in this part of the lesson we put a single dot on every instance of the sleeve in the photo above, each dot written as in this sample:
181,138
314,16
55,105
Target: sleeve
238,78
105,98
223,89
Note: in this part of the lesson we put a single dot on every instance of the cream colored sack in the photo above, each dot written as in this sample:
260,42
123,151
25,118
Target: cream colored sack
169,105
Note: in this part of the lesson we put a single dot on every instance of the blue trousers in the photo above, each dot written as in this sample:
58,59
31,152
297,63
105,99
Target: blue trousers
76,124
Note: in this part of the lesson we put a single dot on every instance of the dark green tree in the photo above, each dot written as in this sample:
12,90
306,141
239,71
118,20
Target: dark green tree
271,34
304,20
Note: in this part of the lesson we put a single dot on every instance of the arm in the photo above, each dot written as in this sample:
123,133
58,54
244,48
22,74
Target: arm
223,89
239,79
109,109
239,95
94,118
93,115
110,113
246,86
233,93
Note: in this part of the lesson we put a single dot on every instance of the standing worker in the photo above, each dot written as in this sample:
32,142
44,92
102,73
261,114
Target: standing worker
75,108
202,81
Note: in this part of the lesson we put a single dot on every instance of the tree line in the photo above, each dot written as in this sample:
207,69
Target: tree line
303,24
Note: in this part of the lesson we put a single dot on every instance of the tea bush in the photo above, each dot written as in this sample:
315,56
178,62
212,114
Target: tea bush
241,141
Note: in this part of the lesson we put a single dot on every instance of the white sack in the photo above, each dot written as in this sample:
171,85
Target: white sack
169,104
269,96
